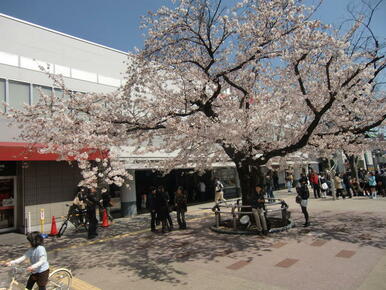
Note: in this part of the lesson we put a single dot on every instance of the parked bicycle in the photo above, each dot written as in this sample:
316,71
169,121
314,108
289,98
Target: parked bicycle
59,279
77,216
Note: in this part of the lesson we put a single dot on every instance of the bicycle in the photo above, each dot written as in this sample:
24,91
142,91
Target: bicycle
59,279
76,216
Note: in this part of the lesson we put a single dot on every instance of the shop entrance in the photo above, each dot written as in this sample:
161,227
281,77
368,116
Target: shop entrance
7,203
187,178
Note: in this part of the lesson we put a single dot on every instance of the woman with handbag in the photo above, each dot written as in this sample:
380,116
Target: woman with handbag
323,185
302,197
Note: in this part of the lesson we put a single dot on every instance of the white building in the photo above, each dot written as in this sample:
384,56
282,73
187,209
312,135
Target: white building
29,181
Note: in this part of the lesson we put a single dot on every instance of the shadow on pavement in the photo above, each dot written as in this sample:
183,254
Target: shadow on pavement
154,255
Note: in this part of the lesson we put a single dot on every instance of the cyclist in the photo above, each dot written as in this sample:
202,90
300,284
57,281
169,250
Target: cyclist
38,257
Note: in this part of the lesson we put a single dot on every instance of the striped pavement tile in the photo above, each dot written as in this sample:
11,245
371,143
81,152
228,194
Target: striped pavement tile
78,284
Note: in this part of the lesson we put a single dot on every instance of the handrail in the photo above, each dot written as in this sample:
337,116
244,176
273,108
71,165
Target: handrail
236,210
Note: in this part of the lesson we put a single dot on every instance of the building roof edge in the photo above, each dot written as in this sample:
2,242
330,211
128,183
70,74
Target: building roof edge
62,33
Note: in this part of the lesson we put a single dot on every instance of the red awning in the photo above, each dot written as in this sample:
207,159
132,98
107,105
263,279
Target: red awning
14,151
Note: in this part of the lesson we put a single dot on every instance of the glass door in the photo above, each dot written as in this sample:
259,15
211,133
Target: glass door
7,203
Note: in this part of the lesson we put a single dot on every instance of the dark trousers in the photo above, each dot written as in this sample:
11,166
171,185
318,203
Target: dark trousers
169,220
305,213
316,190
153,220
93,222
40,278
340,192
181,219
348,190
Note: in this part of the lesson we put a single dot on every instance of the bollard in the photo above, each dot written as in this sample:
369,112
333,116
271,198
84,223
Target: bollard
29,222
234,217
42,220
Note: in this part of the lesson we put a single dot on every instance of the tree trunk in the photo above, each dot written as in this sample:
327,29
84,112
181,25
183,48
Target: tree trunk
353,165
249,176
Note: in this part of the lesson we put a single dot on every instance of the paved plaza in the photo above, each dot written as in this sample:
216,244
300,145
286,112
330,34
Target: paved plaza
344,248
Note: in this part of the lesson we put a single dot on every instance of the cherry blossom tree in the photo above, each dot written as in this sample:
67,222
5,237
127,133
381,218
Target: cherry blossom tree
249,83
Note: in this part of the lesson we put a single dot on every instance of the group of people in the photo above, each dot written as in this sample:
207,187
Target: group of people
368,183
160,208
87,199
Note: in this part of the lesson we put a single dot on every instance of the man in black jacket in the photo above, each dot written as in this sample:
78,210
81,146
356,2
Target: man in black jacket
153,207
91,204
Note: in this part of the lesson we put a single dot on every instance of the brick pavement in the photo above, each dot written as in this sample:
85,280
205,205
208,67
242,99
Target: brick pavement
345,248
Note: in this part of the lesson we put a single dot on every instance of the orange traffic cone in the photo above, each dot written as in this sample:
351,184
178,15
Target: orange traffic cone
54,230
105,222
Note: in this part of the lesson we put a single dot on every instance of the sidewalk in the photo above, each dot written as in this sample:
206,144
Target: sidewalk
344,248
125,225
12,244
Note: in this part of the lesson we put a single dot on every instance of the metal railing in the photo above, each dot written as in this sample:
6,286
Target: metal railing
237,210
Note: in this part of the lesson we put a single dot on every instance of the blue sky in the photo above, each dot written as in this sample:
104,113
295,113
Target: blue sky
115,23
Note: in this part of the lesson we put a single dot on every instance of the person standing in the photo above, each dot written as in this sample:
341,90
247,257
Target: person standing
314,180
303,195
347,183
106,203
275,178
257,202
289,180
153,208
143,200
92,203
162,208
323,185
219,193
373,185
202,190
165,195
180,201
269,187
339,186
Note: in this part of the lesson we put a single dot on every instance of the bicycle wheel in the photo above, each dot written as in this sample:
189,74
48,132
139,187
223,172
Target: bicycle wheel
62,228
60,279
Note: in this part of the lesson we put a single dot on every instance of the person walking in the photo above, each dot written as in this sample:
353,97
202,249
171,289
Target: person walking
314,180
257,202
180,201
219,191
38,258
303,195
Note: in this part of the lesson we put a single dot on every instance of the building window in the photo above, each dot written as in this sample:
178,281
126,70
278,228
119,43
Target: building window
19,94
2,95
38,90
